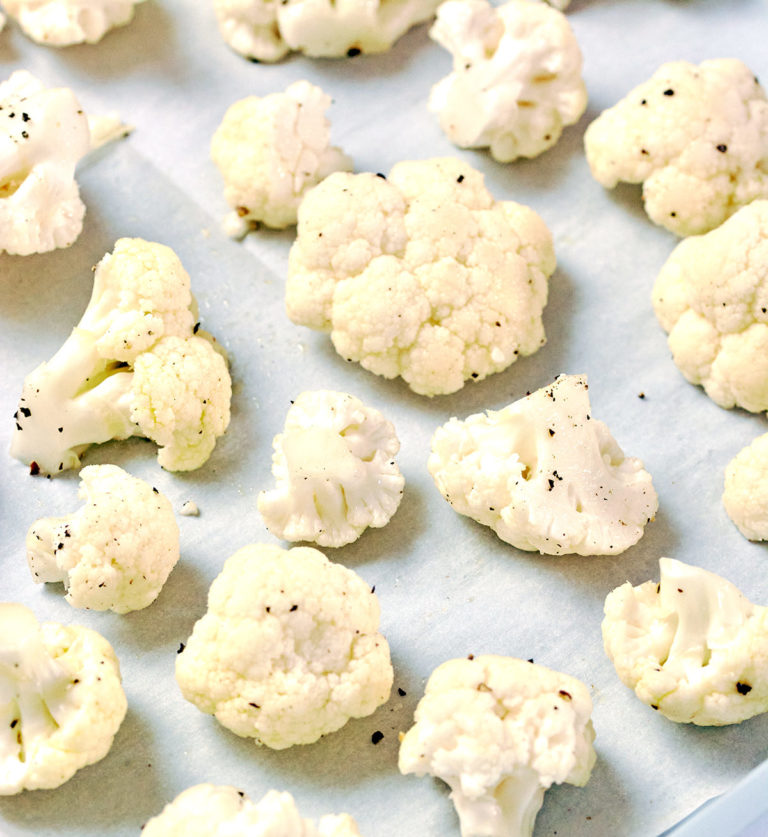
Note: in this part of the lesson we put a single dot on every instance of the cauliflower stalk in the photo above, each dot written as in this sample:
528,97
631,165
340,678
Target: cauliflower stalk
545,475
133,365
516,79
695,136
335,470
500,731
422,275
692,646
745,493
61,700
289,649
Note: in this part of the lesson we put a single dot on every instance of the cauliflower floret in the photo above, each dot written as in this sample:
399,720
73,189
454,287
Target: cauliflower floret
696,137
516,79
745,494
271,151
711,296
65,22
265,30
223,811
289,649
135,364
500,731
114,553
422,275
545,475
335,470
61,700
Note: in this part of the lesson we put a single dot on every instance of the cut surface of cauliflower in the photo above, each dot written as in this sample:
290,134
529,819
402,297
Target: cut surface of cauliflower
335,468
516,80
65,22
745,492
545,475
695,136
421,275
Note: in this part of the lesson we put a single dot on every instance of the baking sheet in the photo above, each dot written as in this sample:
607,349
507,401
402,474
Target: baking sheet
447,586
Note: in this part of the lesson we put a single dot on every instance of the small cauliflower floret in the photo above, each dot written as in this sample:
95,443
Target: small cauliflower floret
711,296
696,137
135,365
207,810
335,468
516,80
745,494
271,151
692,646
545,475
289,649
422,275
500,731
66,22
114,553
61,700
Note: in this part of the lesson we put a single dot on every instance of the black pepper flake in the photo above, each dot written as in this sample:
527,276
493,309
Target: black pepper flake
25,117
382,176
669,92
25,411
353,51
34,468
14,722
470,656
565,695
294,607
61,429
679,589
180,648
254,705
460,178
377,736
641,395
654,706
475,374
722,148
643,101
196,328
530,659
25,134
241,794
401,692
373,589
155,490
551,484
743,688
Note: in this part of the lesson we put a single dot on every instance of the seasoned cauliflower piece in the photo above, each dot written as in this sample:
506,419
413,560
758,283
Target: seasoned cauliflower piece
516,79
692,646
61,700
65,22
545,475
745,494
422,275
711,296
335,468
696,137
289,649
500,731
270,151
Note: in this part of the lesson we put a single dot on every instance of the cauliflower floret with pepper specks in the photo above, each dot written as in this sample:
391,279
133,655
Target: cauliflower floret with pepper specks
711,296
422,275
745,493
289,649
696,137
516,80
270,151
66,22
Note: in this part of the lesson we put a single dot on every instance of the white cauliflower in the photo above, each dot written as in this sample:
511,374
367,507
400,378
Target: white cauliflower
135,364
745,493
61,700
271,151
692,646
696,137
711,296
116,551
422,275
65,22
289,649
545,475
266,30
500,731
335,468
516,79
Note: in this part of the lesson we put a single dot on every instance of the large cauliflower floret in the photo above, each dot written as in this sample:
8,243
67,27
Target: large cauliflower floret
545,475
696,137
133,365
116,551
223,811
711,296
692,646
745,493
500,731
335,468
65,22
270,151
289,648
61,700
516,79
422,275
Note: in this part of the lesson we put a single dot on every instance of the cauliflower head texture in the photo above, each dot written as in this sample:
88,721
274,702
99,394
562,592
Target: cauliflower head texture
334,464
545,475
695,136
745,492
422,274
65,22
499,732
289,648
61,700
691,646
116,551
270,151
516,80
